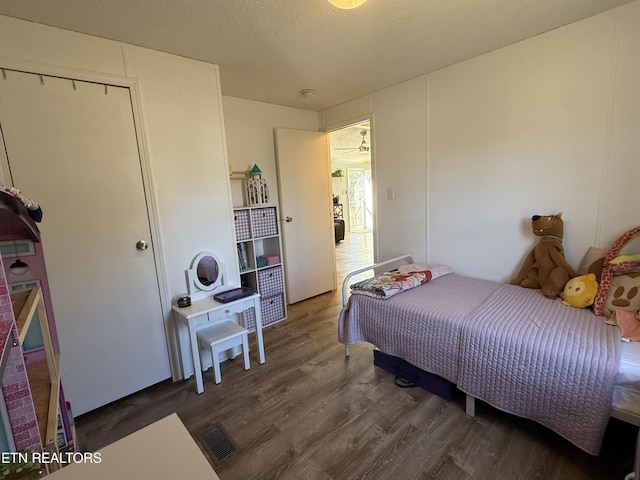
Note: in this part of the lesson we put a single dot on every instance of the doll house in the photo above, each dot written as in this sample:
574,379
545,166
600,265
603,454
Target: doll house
33,412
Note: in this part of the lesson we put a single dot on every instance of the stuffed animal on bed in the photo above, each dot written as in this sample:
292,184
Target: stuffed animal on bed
580,292
545,266
624,294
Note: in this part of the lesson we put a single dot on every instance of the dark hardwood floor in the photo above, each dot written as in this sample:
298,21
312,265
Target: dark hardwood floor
310,413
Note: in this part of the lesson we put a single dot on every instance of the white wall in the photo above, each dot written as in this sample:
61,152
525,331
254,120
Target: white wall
619,199
517,132
250,137
399,163
542,126
184,130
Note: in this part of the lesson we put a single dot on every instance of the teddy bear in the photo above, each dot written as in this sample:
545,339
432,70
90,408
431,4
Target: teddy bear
580,292
545,266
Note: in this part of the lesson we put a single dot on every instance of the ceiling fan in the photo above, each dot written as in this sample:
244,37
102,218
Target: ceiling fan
364,146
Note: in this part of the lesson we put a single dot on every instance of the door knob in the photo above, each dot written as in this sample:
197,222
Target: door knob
142,245
288,219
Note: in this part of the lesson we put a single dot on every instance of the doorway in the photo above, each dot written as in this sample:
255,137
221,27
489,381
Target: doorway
72,146
351,181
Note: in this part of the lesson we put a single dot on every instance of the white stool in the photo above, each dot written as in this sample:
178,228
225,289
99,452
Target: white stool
222,336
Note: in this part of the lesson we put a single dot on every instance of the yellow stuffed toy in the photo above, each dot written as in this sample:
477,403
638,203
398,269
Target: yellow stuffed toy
580,292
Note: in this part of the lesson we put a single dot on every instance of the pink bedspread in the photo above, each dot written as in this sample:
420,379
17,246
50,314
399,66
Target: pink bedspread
510,346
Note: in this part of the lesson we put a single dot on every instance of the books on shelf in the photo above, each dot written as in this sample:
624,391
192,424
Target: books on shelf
243,258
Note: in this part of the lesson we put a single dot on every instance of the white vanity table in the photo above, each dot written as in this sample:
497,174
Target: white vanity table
209,310
206,277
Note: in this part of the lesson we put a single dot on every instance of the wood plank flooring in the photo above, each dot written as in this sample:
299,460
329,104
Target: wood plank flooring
309,413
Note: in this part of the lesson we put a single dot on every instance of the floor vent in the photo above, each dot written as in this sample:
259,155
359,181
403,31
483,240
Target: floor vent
218,443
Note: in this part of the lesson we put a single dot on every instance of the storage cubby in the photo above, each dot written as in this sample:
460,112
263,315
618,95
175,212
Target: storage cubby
270,281
260,260
264,222
269,246
246,256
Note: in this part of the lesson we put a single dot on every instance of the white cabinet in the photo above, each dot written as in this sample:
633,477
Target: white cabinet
260,259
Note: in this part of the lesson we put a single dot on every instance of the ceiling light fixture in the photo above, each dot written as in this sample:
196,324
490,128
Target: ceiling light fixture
308,93
364,146
346,4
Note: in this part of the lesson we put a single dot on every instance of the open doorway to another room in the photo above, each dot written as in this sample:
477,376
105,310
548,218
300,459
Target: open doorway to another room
353,205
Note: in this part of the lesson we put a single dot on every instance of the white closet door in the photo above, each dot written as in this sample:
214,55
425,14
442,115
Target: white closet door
72,148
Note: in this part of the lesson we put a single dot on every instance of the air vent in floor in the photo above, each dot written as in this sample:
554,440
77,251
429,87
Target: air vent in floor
218,443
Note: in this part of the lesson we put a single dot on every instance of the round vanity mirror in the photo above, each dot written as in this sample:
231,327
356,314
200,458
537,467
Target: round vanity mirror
207,270
205,274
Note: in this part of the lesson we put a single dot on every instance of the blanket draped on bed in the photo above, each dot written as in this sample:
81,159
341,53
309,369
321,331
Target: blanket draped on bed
534,357
509,346
397,325
390,283
405,277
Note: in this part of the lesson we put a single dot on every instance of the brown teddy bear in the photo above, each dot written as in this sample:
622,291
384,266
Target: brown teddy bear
545,266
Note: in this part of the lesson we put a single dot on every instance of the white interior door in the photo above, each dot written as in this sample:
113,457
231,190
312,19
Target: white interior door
306,205
72,148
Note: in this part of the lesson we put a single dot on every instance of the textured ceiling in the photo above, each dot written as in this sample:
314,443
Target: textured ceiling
269,50
345,144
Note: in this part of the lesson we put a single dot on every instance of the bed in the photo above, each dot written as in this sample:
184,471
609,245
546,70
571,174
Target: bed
508,346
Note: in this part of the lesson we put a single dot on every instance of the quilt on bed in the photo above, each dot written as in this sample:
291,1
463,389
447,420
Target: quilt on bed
509,346
534,357
396,325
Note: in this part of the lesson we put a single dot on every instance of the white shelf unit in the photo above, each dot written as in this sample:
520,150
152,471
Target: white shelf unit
258,238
